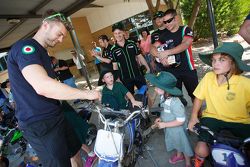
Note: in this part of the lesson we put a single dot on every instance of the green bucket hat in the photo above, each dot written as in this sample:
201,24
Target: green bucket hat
235,50
165,81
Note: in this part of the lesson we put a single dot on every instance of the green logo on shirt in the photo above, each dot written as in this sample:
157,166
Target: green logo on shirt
28,50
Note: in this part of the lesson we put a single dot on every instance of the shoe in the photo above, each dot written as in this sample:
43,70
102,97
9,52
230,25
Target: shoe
77,101
197,162
174,159
90,160
183,101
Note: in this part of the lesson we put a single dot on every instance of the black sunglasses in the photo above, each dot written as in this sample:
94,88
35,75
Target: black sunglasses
168,21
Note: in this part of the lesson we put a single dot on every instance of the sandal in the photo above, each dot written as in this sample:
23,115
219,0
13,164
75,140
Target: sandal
174,159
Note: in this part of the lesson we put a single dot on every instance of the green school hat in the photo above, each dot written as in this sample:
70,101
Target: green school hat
233,49
165,81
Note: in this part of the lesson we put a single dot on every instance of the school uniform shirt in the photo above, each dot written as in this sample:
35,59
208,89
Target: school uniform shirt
125,57
231,105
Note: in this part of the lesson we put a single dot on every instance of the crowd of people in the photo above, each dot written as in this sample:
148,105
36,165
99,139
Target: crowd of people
40,84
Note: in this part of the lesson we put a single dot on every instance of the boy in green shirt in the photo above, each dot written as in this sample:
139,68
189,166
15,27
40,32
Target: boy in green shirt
114,93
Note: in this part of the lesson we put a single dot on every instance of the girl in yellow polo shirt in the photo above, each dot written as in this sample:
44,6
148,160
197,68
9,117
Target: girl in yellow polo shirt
227,96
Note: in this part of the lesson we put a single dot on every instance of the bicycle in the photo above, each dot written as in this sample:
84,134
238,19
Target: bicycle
226,150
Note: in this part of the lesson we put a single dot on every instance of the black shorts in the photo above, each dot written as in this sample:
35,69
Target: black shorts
130,84
54,141
237,129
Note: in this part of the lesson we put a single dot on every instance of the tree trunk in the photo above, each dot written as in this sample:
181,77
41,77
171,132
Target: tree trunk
195,12
169,4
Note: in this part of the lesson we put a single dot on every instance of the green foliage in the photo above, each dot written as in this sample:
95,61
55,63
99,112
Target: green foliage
229,15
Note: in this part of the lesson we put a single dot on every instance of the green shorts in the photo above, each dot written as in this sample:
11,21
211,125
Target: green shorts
237,129
79,125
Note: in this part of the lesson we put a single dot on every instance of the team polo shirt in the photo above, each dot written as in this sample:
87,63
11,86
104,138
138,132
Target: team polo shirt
106,53
173,39
125,57
30,106
155,36
118,91
231,105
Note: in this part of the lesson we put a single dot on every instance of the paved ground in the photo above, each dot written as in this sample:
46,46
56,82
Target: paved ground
156,142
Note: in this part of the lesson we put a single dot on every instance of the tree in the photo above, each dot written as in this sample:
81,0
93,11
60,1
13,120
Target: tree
228,16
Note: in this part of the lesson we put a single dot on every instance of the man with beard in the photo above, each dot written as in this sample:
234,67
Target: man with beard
36,92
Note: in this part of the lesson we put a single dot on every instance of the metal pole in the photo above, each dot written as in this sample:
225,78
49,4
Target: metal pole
79,51
212,22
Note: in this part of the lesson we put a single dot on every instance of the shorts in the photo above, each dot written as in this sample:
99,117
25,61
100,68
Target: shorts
53,140
237,129
79,125
139,81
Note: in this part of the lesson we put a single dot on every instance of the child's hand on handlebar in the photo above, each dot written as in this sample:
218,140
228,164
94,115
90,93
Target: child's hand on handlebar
136,103
192,122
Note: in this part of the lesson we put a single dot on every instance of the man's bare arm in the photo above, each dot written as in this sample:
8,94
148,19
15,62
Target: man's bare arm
143,62
38,78
245,31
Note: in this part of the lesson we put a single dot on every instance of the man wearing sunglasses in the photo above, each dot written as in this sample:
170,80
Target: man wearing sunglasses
176,56
36,92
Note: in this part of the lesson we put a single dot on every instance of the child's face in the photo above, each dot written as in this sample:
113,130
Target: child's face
221,64
159,91
108,78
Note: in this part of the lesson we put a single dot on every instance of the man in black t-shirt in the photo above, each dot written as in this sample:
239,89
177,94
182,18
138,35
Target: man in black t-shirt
155,36
106,57
176,52
124,54
36,92
62,70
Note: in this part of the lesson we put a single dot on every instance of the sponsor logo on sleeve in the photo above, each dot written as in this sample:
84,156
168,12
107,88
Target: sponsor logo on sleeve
28,49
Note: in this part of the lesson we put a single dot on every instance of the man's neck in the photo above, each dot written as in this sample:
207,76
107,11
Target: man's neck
121,43
176,27
38,38
161,28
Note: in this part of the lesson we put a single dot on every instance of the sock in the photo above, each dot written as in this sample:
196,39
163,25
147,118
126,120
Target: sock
91,154
200,158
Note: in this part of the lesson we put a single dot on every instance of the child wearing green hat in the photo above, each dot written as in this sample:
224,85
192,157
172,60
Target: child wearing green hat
115,93
227,95
173,117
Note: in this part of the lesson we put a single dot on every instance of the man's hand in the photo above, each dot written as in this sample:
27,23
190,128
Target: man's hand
164,62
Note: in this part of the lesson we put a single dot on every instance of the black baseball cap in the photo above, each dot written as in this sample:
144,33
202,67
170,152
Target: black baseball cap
118,26
158,14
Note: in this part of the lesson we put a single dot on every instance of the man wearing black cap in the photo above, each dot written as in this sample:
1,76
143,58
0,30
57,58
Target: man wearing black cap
106,56
124,54
155,36
158,18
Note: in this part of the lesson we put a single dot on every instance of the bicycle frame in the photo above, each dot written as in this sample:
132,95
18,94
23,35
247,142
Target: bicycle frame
113,129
